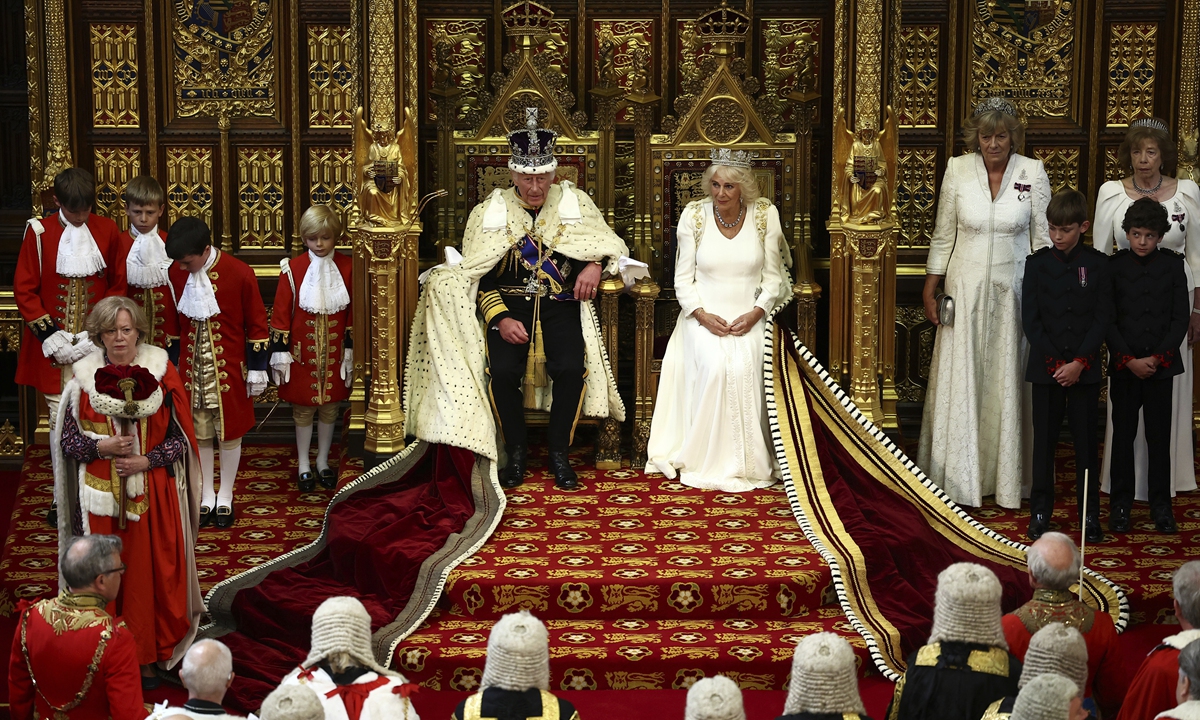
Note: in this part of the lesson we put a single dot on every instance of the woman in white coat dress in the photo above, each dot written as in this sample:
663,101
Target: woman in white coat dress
991,215
1148,153
710,422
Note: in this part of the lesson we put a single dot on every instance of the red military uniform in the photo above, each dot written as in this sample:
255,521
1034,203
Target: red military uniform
1153,688
216,354
316,342
1105,682
49,302
56,643
157,302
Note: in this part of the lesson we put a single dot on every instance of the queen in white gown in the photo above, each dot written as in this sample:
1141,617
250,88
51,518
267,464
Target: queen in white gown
710,422
991,215
1150,152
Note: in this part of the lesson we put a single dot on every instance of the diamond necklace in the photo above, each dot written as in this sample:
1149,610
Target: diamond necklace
1147,191
741,215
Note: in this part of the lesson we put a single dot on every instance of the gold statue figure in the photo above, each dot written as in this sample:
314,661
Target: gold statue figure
869,171
385,195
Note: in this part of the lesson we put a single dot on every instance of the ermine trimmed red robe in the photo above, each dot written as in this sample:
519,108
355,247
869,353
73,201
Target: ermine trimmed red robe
49,302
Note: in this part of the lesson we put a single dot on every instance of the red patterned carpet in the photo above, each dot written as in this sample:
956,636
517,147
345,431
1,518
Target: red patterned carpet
644,583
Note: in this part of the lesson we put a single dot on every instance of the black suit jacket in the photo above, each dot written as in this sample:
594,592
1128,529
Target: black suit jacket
1066,308
1152,311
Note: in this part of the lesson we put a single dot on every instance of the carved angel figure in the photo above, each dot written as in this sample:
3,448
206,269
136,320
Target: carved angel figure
606,48
386,164
868,171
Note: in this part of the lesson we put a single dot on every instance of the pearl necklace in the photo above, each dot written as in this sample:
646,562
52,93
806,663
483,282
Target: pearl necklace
1145,191
742,214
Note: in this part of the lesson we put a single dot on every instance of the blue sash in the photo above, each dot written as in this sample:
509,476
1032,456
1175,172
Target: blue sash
547,272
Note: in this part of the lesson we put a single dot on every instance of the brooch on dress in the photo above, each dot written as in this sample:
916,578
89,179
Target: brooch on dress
1179,218
1022,190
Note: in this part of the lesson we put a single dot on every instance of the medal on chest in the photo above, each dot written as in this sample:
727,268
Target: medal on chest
1022,188
1082,276
1179,216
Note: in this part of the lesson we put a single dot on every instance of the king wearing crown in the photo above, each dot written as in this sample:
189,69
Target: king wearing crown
510,326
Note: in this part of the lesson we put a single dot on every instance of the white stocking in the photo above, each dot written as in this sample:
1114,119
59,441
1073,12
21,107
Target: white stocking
230,459
207,455
324,442
303,447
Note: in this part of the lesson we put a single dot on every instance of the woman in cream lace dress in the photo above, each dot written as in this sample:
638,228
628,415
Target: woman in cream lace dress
991,215
1148,152
710,423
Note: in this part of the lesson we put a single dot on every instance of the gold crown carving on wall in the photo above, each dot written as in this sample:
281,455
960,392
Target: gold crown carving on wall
723,24
527,19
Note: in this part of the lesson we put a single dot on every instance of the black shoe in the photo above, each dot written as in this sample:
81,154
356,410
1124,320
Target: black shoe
1092,530
1164,521
52,516
151,682
564,477
206,516
328,478
307,482
1118,519
225,516
513,474
1039,523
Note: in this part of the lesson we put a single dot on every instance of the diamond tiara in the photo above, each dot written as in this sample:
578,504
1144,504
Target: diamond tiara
995,103
732,158
1151,123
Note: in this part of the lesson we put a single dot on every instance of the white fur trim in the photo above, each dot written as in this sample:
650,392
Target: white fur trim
1181,640
568,204
154,359
535,170
323,292
1190,710
495,217
113,407
78,255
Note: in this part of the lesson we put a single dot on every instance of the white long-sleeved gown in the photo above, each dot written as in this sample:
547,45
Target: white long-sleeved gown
977,406
710,420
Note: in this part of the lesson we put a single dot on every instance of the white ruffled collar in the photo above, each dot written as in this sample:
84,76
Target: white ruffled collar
147,264
78,255
197,301
323,292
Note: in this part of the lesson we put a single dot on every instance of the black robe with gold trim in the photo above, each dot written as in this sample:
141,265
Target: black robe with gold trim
496,704
954,681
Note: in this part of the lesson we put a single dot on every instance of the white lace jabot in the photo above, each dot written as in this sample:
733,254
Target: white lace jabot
323,292
198,301
78,255
147,264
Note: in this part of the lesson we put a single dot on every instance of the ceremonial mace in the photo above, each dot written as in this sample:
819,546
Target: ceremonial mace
1083,532
439,193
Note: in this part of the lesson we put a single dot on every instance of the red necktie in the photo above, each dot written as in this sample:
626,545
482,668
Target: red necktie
353,696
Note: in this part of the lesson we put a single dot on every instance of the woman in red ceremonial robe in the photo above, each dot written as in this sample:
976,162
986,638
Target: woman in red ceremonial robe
127,465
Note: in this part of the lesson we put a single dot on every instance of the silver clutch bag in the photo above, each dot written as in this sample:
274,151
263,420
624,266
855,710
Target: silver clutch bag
945,306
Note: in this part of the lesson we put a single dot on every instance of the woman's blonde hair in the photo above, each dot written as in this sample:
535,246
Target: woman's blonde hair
742,177
1139,135
318,218
103,318
985,123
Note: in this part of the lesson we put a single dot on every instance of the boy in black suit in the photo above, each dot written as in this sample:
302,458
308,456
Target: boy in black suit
1152,311
1065,310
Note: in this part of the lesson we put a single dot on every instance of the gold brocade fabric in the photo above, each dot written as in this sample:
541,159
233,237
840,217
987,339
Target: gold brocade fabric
206,393
74,611
993,661
1055,606
76,306
993,712
473,708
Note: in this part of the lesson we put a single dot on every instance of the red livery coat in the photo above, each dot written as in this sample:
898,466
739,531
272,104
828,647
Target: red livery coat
1153,687
316,342
239,335
157,302
41,294
55,643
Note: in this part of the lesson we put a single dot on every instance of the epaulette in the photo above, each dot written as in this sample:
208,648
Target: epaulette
1040,251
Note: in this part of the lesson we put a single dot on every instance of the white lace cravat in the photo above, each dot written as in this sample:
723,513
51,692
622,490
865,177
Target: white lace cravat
198,301
78,255
147,264
323,292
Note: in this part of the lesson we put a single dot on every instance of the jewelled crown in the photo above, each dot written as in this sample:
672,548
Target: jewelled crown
995,103
1151,123
732,158
532,148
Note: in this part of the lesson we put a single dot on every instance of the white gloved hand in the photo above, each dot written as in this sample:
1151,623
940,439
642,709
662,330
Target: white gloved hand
281,367
256,383
82,348
56,343
348,366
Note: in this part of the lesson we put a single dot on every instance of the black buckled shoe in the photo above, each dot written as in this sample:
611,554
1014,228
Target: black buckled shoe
225,516
513,473
328,478
564,477
206,516
1118,519
307,482
1092,530
1039,523
1164,521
